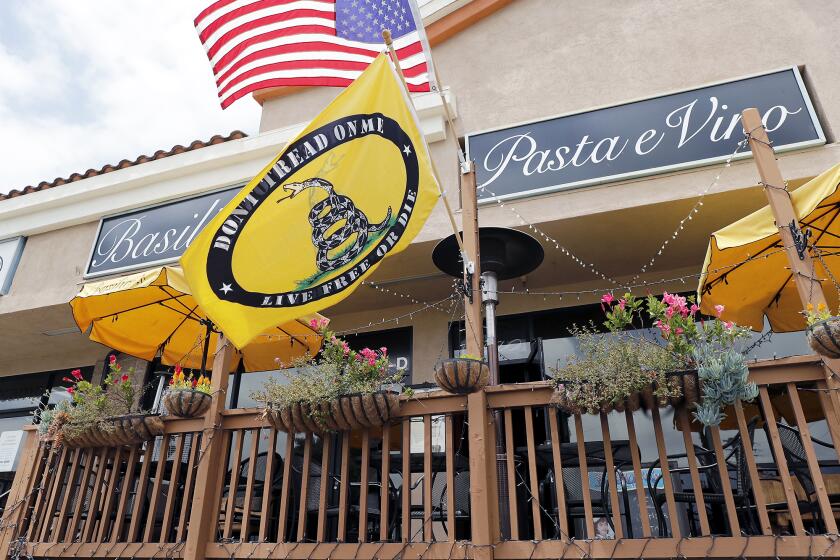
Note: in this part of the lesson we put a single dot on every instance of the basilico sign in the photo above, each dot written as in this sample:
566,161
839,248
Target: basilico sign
354,187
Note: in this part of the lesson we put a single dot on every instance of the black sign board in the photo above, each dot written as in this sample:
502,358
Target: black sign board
152,236
656,135
397,341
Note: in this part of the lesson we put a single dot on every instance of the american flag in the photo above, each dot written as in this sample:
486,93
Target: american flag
258,44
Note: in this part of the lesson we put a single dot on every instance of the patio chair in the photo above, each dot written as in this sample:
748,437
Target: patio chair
439,506
734,458
797,462
574,489
257,486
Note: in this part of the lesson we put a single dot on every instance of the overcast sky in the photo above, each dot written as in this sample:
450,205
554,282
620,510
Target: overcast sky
89,82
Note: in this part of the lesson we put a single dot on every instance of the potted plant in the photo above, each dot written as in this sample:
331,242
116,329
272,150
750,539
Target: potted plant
50,420
462,375
614,371
823,331
694,361
187,396
107,414
338,390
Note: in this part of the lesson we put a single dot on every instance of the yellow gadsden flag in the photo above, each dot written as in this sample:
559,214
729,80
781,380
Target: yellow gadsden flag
354,187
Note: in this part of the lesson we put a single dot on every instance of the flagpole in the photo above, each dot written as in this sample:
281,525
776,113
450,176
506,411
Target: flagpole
386,36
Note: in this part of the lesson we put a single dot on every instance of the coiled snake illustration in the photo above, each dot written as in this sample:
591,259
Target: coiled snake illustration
326,214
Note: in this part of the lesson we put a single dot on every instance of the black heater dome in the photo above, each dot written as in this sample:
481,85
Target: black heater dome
507,252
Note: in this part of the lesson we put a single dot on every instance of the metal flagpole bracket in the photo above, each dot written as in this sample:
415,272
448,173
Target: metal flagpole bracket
465,283
800,239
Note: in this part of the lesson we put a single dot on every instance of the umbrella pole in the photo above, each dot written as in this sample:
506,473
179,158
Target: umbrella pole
206,346
800,260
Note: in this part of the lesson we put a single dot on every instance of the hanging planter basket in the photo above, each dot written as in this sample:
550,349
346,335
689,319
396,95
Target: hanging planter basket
824,337
690,389
186,403
348,412
644,400
117,431
462,376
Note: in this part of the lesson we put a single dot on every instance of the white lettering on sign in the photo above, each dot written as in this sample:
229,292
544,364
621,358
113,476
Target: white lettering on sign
155,235
660,134
522,151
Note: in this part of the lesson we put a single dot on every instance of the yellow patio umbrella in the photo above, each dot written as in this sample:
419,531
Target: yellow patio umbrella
746,268
152,312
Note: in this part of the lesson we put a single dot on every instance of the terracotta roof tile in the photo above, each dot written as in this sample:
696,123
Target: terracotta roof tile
160,154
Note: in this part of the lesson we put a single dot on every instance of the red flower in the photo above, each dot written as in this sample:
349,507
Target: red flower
194,382
70,390
172,381
67,379
178,368
112,359
77,373
124,378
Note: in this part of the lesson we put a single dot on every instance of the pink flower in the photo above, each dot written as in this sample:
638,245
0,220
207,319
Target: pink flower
383,350
664,327
678,331
670,312
112,359
621,303
667,298
371,362
729,325
314,323
345,347
719,309
607,298
694,308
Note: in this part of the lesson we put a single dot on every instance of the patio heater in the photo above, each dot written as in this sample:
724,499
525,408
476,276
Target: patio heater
504,254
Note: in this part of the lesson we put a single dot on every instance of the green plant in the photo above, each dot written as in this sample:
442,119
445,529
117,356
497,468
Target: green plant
821,313
179,382
92,404
612,367
50,420
723,374
335,372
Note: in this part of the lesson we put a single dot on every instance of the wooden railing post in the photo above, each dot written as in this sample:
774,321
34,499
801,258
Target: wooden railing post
211,465
484,502
16,503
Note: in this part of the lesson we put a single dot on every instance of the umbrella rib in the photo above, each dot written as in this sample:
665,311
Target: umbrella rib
722,278
778,295
290,335
184,320
149,304
185,306
829,208
188,315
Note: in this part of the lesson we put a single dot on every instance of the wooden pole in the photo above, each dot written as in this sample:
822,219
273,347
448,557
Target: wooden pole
484,492
803,270
211,466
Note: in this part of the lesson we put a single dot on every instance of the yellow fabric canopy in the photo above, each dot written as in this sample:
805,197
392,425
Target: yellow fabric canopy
152,312
746,268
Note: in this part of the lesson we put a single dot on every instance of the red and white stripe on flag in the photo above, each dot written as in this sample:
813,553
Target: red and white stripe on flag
258,44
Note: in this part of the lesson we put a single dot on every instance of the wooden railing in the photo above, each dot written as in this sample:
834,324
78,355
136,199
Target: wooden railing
618,485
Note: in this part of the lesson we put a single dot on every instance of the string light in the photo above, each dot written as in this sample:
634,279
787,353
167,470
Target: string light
409,315
695,209
549,239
